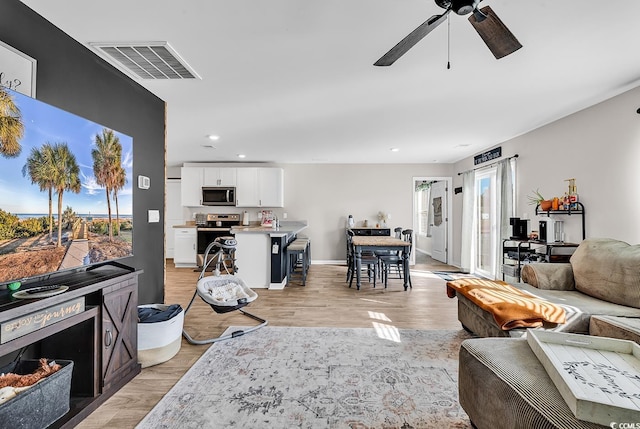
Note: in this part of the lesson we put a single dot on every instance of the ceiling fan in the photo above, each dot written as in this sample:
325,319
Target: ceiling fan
491,29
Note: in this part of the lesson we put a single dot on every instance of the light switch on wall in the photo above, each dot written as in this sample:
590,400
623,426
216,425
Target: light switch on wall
154,216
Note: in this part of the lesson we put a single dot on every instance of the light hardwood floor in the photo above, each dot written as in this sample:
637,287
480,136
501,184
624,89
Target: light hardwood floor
326,301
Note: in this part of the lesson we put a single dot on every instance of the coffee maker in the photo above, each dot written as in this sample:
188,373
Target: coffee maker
551,231
519,228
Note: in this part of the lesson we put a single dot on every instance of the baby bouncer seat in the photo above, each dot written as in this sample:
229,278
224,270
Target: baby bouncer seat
223,292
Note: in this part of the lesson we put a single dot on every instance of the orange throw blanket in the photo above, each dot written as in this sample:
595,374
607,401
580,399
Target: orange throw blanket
511,307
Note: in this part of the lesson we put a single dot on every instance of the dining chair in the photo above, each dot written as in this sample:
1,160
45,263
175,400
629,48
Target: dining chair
369,261
395,260
407,235
389,259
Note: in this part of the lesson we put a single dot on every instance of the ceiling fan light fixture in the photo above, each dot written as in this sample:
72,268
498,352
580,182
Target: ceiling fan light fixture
464,7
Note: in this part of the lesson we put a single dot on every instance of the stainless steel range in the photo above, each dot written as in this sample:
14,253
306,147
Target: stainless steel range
212,226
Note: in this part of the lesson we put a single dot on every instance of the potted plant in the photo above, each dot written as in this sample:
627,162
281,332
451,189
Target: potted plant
537,199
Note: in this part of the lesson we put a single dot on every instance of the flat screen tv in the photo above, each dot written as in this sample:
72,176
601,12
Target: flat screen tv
65,190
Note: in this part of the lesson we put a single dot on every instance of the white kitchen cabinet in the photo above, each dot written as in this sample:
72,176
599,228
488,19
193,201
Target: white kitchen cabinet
185,253
215,176
260,187
192,179
271,187
247,187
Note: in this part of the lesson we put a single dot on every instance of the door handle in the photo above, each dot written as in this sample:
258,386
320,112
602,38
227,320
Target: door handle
108,338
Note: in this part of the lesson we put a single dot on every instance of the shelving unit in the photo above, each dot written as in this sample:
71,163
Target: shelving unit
516,252
569,212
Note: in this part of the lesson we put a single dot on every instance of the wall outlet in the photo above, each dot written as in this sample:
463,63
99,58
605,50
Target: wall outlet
284,215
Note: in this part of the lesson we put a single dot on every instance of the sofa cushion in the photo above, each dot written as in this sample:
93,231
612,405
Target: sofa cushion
549,276
579,307
609,270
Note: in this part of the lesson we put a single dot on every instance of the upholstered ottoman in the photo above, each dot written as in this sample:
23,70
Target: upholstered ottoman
502,384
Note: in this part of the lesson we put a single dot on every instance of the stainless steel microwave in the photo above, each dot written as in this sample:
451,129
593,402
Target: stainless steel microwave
218,196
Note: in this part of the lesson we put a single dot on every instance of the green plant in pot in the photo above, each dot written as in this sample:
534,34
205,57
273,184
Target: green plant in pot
536,198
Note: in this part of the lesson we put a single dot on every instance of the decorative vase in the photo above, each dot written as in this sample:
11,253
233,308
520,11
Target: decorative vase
350,222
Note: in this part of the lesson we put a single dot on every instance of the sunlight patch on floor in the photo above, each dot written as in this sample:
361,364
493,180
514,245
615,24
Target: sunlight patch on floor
387,332
374,300
379,316
424,274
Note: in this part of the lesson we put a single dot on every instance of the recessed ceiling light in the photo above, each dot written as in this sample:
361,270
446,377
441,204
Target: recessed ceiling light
241,155
213,137
395,149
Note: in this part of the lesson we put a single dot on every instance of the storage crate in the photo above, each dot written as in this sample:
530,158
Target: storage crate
43,403
511,270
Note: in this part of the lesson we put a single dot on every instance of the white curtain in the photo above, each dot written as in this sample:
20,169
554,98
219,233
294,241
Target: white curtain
427,199
468,220
505,209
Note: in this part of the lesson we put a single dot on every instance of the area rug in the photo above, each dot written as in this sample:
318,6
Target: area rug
279,377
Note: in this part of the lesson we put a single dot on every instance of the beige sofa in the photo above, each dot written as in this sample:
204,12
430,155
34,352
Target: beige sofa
502,384
602,278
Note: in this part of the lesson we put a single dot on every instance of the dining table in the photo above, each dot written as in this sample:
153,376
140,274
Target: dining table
373,243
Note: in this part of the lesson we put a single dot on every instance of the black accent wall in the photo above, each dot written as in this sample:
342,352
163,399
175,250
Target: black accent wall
73,78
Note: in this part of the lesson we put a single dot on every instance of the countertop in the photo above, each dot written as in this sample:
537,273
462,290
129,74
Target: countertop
285,228
186,225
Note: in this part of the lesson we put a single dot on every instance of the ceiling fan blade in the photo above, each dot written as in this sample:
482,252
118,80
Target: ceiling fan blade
495,34
412,38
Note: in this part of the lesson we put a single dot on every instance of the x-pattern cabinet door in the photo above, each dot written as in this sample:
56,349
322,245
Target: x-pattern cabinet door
119,331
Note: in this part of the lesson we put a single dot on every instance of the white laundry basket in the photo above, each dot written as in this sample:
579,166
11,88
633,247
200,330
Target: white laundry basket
159,341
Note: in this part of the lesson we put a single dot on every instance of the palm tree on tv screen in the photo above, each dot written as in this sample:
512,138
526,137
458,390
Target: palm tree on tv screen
65,177
39,167
11,126
106,162
120,179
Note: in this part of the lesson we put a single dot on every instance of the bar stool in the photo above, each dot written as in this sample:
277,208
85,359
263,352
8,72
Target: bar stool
298,255
308,253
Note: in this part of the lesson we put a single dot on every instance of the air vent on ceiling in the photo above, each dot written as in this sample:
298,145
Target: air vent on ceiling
146,60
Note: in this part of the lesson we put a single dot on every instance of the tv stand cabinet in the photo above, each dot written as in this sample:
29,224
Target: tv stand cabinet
101,339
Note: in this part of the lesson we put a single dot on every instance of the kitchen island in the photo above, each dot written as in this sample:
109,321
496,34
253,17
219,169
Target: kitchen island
261,253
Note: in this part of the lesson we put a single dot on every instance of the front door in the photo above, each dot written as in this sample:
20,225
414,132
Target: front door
440,219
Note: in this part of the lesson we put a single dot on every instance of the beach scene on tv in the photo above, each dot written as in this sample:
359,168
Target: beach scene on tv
65,190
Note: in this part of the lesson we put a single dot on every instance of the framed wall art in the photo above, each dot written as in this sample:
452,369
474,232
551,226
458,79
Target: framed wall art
17,70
